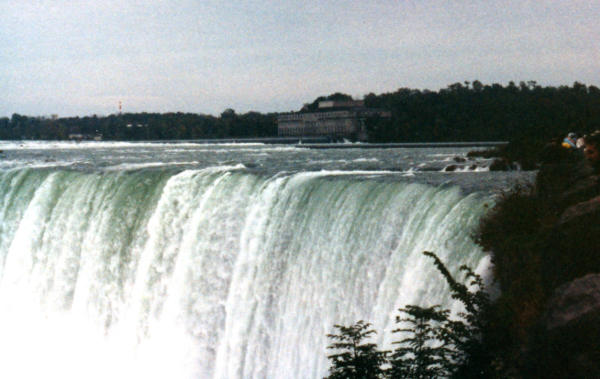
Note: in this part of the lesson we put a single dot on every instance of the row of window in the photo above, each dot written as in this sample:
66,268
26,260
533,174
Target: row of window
346,127
314,116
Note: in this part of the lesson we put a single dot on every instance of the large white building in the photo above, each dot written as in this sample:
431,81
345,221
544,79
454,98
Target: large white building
334,119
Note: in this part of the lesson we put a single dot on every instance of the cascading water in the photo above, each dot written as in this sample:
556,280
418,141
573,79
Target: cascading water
213,272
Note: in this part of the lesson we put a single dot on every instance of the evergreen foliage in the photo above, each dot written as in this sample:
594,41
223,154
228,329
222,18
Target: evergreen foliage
433,344
467,334
355,359
423,353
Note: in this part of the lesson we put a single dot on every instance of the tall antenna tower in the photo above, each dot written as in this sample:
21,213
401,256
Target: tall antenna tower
120,107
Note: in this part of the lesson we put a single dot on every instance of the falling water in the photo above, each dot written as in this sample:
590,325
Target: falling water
213,272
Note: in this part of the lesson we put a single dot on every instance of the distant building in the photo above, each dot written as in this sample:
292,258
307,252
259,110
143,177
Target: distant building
76,136
334,119
85,137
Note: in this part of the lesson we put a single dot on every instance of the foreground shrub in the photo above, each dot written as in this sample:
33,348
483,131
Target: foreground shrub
423,353
355,359
434,345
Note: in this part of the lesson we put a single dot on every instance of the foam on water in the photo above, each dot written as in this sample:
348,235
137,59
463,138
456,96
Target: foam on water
213,272
23,145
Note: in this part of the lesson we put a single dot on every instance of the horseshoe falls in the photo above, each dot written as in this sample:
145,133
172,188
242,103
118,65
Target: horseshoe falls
192,268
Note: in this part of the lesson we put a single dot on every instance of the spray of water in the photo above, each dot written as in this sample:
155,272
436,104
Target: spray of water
215,272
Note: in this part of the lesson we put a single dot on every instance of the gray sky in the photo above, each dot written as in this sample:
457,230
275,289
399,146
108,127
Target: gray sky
81,57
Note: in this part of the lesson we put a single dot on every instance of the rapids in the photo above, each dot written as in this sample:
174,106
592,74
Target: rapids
216,271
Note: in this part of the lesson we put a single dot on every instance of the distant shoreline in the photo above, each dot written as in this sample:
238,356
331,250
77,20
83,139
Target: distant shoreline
401,145
308,143
324,143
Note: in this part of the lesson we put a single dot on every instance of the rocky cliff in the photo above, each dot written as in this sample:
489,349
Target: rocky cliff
545,243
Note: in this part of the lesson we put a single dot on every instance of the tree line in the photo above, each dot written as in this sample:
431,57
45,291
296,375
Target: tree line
460,112
141,126
476,112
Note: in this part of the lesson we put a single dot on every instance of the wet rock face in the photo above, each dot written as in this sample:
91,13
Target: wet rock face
550,269
574,302
572,324
501,164
583,209
573,248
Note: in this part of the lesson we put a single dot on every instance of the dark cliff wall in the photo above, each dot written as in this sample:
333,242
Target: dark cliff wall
545,243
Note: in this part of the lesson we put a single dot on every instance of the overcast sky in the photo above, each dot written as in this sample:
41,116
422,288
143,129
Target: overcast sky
81,57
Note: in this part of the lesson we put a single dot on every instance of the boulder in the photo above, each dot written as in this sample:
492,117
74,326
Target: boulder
500,164
574,302
579,210
571,331
572,248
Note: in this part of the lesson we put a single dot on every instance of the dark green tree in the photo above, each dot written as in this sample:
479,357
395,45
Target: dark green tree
434,344
424,351
466,334
354,358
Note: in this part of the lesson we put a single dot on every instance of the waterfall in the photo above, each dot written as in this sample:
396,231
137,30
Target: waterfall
216,272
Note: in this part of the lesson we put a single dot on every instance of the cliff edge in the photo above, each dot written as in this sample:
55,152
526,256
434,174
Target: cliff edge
545,244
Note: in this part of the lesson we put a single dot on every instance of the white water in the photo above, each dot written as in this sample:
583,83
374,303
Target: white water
213,272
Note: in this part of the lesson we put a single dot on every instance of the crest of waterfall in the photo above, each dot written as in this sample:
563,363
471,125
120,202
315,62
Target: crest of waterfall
215,272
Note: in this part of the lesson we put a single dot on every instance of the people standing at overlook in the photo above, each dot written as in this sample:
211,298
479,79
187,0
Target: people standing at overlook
561,176
570,141
592,152
584,194
588,184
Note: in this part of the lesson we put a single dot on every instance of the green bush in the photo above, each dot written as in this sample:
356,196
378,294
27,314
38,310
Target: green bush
354,358
433,344
424,352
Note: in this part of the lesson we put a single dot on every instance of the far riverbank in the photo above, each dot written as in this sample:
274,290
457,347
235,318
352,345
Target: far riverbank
325,143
